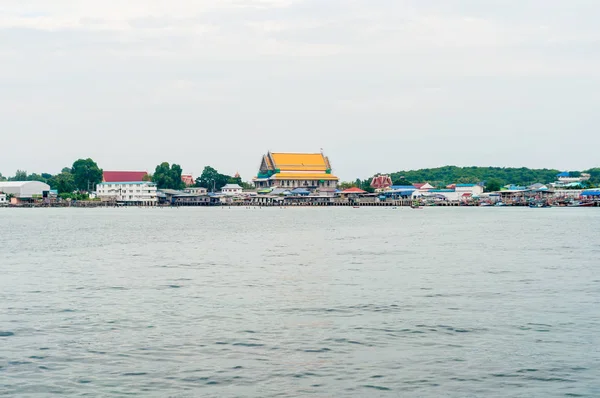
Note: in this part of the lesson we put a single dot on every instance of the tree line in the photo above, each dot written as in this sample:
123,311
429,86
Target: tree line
84,174
493,177
169,177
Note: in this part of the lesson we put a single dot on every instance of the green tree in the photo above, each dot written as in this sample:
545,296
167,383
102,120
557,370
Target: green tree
235,180
63,182
442,176
493,185
365,185
238,180
211,179
168,177
20,175
74,196
86,174
594,175
36,177
401,181
2,178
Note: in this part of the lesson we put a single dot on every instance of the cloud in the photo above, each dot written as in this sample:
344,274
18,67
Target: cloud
296,75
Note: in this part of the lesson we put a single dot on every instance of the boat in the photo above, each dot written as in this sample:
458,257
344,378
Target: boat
415,205
581,204
538,205
500,204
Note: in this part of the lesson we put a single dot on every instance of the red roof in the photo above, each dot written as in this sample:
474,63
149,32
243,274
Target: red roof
380,182
187,179
419,185
124,176
353,190
466,194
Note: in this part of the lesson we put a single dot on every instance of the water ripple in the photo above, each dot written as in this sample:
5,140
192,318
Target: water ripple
299,302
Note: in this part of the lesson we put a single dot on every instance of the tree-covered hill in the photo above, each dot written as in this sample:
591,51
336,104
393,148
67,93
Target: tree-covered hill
442,176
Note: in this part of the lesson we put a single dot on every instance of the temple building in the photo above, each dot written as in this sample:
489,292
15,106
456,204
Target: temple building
296,170
188,180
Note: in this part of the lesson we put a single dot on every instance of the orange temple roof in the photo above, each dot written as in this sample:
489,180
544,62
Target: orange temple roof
305,176
299,161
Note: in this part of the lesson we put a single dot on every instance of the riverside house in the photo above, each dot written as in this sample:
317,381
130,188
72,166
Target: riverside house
231,190
127,187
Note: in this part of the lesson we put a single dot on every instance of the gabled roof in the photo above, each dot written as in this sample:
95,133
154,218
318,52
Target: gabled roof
231,186
353,190
187,179
300,191
124,176
537,185
279,191
381,182
299,161
420,185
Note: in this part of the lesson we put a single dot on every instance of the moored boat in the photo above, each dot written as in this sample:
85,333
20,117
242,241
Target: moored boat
539,205
581,204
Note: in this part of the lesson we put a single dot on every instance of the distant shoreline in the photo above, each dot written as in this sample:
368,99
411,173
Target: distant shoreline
390,204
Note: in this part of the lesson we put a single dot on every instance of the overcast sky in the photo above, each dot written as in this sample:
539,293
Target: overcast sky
380,85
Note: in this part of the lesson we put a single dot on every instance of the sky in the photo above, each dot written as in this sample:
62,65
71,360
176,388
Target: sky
378,85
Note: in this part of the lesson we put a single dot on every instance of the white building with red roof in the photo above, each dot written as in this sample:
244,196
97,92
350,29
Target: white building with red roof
127,187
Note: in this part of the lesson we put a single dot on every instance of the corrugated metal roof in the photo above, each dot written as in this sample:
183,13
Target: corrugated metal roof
591,192
405,187
13,184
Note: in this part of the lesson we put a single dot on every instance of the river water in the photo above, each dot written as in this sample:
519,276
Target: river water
324,302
